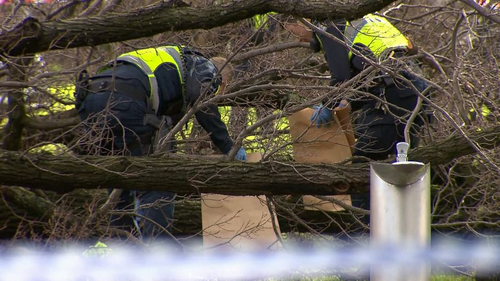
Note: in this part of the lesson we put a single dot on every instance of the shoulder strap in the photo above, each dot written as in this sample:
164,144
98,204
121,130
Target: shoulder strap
176,56
154,100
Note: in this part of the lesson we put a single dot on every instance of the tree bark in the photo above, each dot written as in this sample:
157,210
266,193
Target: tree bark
187,175
16,108
22,211
32,36
177,174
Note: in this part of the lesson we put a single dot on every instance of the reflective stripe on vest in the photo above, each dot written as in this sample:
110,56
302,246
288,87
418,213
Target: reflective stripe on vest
148,60
375,32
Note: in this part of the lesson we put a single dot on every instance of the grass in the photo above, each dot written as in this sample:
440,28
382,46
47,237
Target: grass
451,278
435,277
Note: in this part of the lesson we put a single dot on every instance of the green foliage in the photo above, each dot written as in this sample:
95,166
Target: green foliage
50,148
59,98
63,98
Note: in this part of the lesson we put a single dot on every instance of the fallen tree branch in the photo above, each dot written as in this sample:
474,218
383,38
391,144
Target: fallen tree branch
196,175
33,36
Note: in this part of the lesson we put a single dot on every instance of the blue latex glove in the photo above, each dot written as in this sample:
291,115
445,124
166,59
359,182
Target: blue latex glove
241,155
321,116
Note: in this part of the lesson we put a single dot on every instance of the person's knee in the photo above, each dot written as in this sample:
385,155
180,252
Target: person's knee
157,211
157,206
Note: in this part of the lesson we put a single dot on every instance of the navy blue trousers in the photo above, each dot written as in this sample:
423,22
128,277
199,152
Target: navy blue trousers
115,123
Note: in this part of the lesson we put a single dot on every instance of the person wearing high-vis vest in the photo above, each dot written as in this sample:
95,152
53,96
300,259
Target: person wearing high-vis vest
139,94
382,120
382,124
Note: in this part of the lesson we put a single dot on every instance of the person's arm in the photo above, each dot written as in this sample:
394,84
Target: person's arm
200,80
336,54
337,58
210,120
359,63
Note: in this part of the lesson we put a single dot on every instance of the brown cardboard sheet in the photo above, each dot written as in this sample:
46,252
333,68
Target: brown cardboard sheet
241,223
328,144
344,117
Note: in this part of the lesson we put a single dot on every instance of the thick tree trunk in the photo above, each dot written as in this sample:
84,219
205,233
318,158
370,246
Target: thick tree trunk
32,36
23,210
181,175
194,175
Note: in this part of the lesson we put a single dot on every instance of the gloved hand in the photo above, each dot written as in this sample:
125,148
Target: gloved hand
241,155
343,104
321,115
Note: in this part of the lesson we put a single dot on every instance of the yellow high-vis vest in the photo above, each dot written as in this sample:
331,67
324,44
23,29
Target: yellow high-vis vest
148,60
376,33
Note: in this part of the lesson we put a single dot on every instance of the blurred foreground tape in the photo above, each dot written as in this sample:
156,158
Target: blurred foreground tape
330,144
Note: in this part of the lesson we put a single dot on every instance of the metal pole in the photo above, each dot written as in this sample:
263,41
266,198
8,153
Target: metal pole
400,215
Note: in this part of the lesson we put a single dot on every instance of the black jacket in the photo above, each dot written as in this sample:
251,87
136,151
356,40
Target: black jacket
200,76
342,69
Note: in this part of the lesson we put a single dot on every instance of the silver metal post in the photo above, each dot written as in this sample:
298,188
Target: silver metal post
400,214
